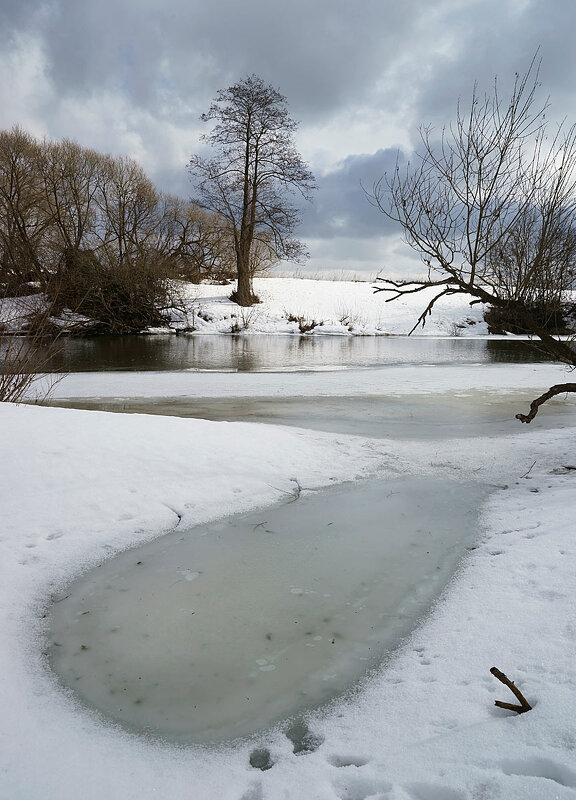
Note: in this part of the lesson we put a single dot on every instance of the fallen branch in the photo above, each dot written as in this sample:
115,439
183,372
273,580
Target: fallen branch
559,388
524,704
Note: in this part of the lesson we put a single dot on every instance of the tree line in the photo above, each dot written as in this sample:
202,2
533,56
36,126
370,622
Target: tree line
97,237
93,232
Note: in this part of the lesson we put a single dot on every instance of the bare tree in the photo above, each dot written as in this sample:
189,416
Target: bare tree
24,217
128,205
70,183
489,206
255,170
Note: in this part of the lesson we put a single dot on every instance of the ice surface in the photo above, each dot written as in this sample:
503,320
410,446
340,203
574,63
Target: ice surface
413,416
219,631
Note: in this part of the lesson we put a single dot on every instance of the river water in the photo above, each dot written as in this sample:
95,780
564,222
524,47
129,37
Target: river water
255,353
411,416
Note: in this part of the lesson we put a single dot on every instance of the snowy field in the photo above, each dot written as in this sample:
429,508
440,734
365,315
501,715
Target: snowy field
293,305
79,486
289,305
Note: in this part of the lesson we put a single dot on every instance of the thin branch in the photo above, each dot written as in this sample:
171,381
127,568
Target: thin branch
532,465
406,287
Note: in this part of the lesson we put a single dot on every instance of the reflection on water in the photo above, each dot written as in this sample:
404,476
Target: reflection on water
267,353
220,631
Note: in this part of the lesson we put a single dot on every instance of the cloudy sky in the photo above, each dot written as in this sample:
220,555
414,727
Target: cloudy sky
133,77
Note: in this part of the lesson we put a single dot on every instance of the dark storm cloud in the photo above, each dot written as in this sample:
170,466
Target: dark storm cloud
322,55
342,207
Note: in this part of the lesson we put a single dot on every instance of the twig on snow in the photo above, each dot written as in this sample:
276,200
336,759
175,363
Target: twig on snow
524,704
529,471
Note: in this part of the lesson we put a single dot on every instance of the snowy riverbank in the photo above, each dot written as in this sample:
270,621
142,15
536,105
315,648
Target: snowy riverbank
294,305
78,486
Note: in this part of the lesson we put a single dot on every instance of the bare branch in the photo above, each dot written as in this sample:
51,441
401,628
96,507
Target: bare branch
559,388
524,704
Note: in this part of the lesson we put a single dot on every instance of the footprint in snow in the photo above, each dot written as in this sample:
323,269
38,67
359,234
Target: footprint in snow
347,761
541,768
430,791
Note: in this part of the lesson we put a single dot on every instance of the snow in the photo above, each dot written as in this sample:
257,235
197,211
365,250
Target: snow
79,486
290,305
393,381
335,307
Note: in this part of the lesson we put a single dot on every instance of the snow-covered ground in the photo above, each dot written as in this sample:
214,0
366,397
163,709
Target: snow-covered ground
292,305
79,486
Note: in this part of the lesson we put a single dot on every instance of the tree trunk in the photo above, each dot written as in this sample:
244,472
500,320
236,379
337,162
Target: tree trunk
244,294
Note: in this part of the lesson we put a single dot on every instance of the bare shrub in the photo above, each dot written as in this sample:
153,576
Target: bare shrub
551,317
126,298
305,325
25,359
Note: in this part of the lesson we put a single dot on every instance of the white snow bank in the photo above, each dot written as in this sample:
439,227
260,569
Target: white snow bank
289,305
391,381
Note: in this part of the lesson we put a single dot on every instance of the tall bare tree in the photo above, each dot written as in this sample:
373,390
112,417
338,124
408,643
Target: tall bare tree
24,217
253,174
489,205
70,182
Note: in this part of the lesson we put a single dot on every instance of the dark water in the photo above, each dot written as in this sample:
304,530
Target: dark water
257,353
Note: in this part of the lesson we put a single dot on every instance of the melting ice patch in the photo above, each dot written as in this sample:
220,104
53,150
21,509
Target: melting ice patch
223,630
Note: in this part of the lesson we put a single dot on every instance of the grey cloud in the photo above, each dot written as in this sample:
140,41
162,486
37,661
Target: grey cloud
170,57
321,55
17,15
341,206
498,40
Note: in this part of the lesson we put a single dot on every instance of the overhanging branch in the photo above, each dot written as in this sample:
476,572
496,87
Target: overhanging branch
559,388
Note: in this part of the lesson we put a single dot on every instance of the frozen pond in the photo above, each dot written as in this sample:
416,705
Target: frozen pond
219,631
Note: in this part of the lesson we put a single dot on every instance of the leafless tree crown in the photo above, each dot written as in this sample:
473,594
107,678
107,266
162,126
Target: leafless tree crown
250,179
489,204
